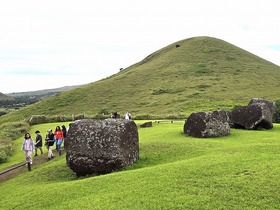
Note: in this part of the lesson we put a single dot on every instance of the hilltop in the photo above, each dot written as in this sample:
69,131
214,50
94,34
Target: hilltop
196,74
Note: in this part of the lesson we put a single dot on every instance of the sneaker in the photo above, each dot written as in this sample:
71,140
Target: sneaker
52,157
35,155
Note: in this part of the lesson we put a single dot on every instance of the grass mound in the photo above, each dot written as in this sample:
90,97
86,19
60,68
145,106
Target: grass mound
198,74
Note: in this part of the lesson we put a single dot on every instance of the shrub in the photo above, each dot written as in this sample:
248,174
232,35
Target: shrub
102,116
276,117
13,130
103,112
38,119
2,113
5,152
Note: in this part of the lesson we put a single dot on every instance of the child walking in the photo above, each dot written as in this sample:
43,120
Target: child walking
38,144
28,147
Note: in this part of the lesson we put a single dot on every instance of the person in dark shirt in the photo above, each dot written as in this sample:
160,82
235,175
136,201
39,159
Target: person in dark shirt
49,143
114,115
38,143
64,130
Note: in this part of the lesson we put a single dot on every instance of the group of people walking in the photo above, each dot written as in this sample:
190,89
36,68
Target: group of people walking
52,138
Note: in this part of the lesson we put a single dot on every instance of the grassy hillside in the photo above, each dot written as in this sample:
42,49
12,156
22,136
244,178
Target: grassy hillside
197,74
239,171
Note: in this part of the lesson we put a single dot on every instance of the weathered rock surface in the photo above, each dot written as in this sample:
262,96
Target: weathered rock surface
146,124
101,146
271,104
204,125
252,117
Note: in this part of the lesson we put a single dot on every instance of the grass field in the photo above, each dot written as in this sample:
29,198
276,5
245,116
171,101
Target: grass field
175,171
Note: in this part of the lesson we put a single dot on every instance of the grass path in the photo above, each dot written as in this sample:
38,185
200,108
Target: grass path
37,161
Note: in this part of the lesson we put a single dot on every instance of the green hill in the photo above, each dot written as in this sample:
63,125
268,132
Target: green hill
195,74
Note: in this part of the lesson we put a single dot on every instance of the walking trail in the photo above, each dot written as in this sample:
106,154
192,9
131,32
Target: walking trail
38,160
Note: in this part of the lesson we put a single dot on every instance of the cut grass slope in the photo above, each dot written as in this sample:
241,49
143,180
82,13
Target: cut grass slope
239,171
197,74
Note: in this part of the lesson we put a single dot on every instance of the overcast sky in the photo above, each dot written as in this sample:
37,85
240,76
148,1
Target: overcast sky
53,43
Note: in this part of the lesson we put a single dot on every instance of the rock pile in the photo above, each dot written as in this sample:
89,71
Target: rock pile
258,114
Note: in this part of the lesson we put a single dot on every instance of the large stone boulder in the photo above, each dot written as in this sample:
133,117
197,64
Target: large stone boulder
101,146
146,124
252,117
271,104
204,124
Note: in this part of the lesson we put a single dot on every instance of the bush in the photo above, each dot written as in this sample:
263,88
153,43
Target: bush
13,130
5,152
59,118
102,116
2,113
103,112
38,119
276,117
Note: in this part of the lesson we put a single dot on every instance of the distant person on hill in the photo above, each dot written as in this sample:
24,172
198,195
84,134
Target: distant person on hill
59,138
127,116
38,144
114,115
49,143
28,147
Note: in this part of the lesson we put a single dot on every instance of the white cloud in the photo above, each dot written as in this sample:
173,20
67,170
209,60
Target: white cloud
82,41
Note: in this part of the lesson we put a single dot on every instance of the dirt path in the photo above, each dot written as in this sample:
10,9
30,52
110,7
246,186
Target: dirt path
38,160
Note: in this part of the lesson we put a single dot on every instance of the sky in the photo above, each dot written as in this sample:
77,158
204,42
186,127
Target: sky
47,44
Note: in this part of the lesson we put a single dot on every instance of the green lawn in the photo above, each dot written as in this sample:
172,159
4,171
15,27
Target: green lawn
175,171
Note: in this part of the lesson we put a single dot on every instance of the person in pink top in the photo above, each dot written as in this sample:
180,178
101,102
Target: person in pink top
59,138
28,147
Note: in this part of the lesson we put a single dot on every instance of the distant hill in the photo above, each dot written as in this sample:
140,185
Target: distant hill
42,93
5,97
196,74
21,99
